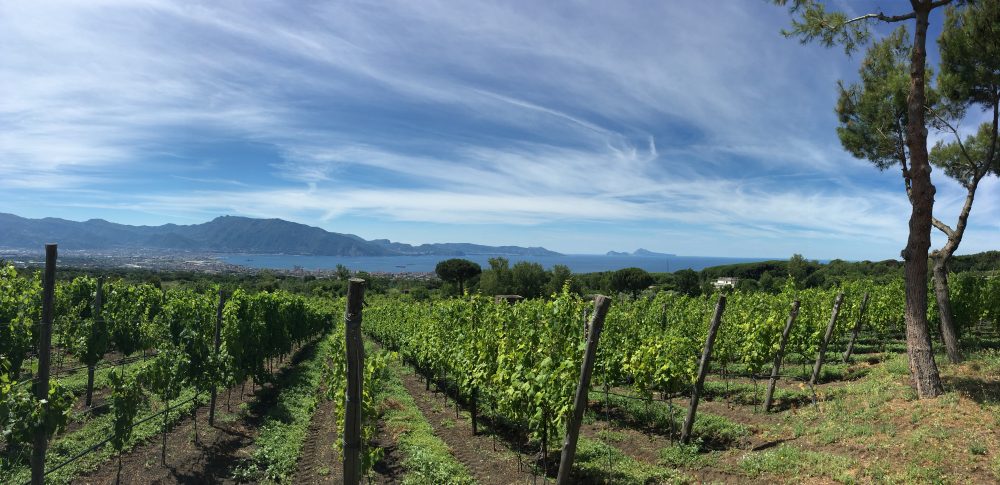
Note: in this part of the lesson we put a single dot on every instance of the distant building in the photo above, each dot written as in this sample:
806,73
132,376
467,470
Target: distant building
725,281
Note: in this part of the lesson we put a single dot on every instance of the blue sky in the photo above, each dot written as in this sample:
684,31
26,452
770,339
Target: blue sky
681,126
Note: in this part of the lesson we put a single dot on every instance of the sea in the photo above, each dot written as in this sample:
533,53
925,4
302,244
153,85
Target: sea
577,263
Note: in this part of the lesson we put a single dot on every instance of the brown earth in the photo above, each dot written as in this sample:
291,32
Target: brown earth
216,453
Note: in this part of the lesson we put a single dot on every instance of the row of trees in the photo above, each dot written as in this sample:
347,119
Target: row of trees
532,280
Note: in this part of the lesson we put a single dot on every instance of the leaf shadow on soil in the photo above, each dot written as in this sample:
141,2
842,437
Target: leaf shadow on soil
983,391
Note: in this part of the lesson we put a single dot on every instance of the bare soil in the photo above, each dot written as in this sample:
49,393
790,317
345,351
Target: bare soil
319,463
211,458
488,458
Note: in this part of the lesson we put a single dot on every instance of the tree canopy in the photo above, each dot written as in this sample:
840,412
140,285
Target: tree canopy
630,280
458,271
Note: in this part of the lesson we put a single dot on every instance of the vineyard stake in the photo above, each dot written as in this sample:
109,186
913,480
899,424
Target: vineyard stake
601,304
826,339
218,341
702,370
475,410
44,342
355,368
98,316
857,328
768,399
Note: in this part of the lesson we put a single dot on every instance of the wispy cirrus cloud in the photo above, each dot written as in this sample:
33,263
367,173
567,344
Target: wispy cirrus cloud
691,118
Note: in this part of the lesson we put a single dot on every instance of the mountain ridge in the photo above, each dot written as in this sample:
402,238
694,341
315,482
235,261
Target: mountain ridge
224,234
645,253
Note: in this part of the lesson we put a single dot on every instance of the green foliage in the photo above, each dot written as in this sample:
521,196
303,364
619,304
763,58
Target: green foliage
970,160
265,325
873,113
529,279
130,311
21,414
970,53
811,21
523,357
561,276
457,270
498,280
126,397
630,280
163,374
686,281
20,310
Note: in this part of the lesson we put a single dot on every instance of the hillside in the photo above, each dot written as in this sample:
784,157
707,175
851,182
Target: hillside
226,234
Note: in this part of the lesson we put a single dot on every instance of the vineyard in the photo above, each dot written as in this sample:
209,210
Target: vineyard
105,382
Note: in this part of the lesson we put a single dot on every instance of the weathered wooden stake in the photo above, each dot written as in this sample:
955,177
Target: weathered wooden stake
355,366
475,410
826,339
720,307
218,343
98,317
44,344
601,304
780,355
857,328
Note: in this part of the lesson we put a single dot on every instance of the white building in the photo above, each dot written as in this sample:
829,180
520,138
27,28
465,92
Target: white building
725,281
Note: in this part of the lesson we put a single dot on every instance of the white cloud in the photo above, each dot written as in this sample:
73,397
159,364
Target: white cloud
692,113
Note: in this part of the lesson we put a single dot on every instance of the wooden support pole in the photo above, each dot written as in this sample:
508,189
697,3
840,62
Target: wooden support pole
475,410
826,339
98,317
355,367
780,355
44,343
706,355
218,343
857,328
601,304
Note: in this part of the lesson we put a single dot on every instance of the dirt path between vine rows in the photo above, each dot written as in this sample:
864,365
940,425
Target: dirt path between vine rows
319,462
219,449
487,465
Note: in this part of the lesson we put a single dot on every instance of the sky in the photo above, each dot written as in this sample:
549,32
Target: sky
689,127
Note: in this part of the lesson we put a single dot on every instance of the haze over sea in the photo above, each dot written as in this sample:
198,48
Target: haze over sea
578,263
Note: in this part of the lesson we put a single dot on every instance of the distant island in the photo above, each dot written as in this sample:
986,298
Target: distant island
641,253
226,234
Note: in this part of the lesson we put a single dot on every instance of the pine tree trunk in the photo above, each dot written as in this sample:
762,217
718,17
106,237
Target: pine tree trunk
948,334
923,369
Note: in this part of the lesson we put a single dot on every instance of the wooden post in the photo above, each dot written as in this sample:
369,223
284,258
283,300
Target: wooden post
857,328
475,410
702,370
780,355
355,367
98,317
218,342
44,344
601,304
826,339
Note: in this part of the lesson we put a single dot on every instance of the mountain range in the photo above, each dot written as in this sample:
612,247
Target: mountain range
226,234
645,253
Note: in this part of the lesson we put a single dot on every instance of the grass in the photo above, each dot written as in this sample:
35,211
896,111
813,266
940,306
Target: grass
789,460
750,395
712,430
426,458
279,441
686,456
599,462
